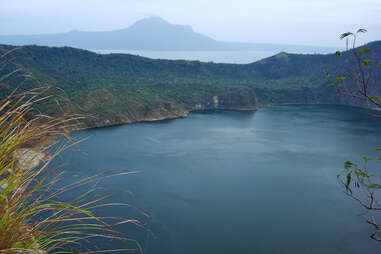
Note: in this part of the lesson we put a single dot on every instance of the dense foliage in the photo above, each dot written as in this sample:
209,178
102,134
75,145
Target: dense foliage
122,88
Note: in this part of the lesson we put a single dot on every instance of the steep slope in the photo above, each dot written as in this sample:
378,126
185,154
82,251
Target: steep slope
122,88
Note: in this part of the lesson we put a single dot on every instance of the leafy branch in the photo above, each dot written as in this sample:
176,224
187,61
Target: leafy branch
360,71
358,183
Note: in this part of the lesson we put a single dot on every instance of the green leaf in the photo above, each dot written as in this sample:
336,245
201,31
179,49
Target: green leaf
361,173
363,51
374,186
379,64
366,159
341,79
344,35
349,178
366,62
332,84
362,30
338,53
348,165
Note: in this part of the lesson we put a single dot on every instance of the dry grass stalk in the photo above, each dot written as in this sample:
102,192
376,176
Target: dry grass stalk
32,217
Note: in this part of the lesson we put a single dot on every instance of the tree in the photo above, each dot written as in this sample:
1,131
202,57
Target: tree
361,82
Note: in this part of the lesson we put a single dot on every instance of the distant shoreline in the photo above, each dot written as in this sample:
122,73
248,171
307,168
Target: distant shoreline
174,117
238,109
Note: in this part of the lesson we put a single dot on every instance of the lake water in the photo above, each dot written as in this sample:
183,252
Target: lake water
238,57
236,182
234,57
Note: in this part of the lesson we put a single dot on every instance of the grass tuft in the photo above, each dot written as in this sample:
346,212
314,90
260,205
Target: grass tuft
33,219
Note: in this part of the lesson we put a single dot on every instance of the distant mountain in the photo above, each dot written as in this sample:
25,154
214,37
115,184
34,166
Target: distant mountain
149,34
123,88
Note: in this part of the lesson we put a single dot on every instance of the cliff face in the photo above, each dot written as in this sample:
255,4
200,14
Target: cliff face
153,116
224,100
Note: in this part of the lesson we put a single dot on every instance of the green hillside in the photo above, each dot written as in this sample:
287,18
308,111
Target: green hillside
122,88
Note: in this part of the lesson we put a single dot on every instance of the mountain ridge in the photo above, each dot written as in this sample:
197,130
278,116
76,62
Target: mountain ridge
152,33
124,88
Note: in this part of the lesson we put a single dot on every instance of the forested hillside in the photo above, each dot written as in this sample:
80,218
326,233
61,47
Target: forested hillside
122,88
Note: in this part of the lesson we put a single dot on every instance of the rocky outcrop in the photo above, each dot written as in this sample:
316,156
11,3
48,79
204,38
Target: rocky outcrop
29,158
108,121
118,111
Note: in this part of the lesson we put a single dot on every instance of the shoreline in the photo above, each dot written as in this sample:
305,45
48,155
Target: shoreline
185,113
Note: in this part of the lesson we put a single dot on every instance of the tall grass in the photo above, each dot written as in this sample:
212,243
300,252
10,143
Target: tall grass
33,219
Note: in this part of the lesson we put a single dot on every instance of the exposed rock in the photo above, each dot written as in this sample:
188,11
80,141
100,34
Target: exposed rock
29,158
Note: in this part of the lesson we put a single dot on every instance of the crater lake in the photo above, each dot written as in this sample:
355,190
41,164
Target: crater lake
233,182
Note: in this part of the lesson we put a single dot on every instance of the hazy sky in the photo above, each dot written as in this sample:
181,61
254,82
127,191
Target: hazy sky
310,22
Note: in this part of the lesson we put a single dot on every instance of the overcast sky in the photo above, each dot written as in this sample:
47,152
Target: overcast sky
309,22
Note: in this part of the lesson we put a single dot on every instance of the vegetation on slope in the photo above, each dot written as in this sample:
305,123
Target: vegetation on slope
122,88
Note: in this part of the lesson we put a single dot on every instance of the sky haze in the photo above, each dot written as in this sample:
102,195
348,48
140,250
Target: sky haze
312,22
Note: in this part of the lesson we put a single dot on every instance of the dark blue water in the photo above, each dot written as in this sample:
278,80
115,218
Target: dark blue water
235,182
